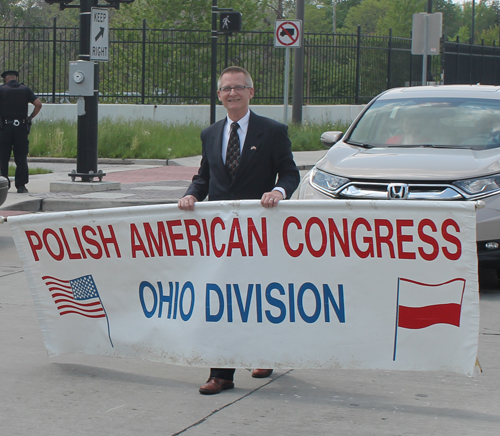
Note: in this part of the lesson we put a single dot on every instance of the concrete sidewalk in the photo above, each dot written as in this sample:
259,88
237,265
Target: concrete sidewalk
141,182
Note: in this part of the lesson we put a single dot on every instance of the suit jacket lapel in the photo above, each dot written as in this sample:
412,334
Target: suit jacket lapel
216,143
253,141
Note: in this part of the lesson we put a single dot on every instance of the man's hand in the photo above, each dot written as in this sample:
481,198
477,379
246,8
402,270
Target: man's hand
271,199
187,202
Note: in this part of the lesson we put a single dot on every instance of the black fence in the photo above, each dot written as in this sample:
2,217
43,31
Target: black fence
164,66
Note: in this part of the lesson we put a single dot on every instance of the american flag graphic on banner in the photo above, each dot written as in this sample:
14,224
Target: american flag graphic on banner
78,296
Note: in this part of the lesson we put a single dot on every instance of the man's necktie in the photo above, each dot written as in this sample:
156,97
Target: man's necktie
233,151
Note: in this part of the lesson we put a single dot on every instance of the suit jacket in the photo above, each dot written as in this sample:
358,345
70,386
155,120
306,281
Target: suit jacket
266,162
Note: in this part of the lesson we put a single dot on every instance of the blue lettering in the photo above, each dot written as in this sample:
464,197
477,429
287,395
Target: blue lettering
147,313
165,299
229,304
276,303
176,297
340,308
300,300
186,316
258,292
291,301
244,311
208,316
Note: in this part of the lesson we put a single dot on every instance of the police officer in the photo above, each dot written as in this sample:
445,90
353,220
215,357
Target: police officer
15,124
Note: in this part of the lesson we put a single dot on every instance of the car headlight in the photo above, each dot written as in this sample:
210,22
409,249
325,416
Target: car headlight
485,185
326,181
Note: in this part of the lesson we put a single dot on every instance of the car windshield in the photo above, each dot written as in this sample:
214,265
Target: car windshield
430,122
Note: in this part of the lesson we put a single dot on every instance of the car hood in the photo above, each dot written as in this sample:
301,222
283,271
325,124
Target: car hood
422,163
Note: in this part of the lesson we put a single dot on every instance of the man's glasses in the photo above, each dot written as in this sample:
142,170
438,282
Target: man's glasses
227,89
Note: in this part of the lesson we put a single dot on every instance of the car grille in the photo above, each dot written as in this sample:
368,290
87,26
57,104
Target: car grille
399,191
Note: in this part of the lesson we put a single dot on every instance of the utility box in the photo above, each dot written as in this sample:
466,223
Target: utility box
81,78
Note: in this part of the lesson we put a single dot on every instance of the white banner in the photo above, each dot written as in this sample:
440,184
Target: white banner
309,284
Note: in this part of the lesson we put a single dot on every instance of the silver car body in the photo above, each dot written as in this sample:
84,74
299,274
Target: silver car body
420,143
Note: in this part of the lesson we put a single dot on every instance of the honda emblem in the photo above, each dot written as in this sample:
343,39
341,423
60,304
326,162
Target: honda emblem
398,191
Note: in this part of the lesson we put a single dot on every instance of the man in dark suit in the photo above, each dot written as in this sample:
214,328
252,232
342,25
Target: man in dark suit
244,156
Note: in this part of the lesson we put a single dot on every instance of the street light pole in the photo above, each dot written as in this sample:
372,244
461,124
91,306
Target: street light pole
334,14
472,27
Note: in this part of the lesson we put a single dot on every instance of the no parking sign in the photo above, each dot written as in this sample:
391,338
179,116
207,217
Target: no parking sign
287,33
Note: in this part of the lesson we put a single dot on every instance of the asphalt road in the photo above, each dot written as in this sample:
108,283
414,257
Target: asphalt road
94,395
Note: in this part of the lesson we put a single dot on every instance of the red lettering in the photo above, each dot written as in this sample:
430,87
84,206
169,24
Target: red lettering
137,242
261,241
290,250
404,238
175,237
366,239
79,242
110,240
196,237
387,239
217,221
207,237
424,237
66,245
49,232
30,234
158,243
321,226
90,241
451,239
344,243
236,244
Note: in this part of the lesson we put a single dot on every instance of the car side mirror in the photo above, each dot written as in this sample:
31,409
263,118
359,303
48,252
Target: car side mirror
330,138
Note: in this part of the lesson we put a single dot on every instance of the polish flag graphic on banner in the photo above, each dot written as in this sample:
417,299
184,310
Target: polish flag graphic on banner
421,305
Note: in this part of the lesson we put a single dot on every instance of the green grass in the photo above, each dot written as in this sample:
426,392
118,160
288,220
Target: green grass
32,171
144,139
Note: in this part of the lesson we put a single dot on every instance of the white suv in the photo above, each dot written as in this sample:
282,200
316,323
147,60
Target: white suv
420,143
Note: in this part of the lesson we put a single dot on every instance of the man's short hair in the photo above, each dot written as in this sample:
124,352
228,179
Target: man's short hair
236,69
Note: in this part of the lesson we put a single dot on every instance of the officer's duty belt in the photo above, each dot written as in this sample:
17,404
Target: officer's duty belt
15,122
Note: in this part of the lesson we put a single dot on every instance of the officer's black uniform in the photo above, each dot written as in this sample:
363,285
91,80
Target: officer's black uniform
14,99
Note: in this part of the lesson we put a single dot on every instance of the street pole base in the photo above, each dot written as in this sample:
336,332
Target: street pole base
87,177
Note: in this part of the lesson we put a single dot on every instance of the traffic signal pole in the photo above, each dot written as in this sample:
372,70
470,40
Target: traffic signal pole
86,155
87,105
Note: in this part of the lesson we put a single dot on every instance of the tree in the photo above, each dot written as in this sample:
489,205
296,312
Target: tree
367,15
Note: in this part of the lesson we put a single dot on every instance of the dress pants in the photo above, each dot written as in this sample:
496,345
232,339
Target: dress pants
223,373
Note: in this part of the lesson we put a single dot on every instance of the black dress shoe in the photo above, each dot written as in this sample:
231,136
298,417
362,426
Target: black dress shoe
215,385
261,373
22,190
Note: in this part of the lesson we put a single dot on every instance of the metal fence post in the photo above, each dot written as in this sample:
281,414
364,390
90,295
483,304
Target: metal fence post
54,36
143,84
358,61
470,61
494,63
482,60
389,58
